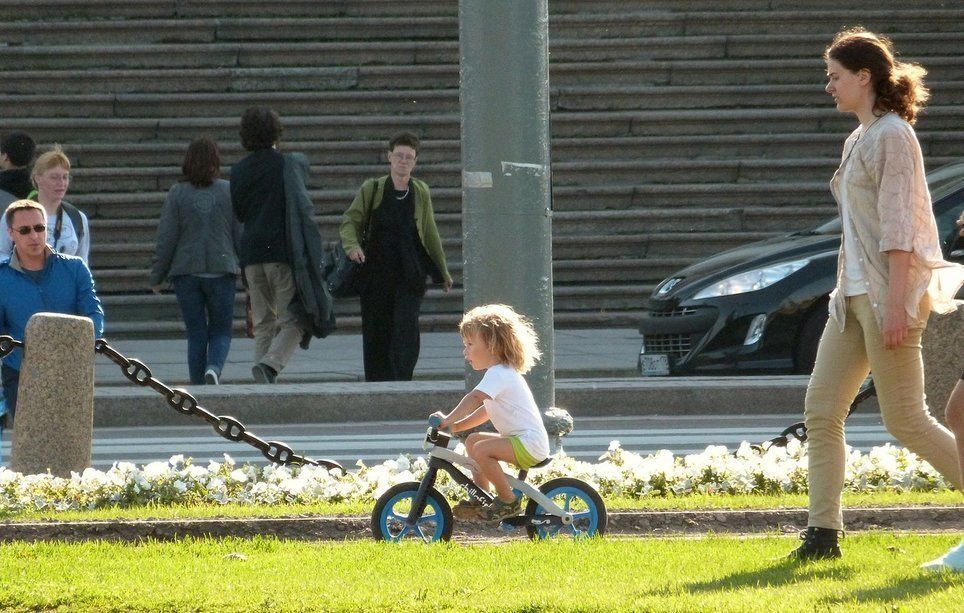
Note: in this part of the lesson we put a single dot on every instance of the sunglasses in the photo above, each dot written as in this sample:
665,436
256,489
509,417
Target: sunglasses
25,230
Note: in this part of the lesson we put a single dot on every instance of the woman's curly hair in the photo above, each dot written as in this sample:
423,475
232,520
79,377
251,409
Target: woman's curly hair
507,334
899,85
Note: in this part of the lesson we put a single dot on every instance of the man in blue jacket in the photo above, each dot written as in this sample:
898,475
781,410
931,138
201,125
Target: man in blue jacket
36,279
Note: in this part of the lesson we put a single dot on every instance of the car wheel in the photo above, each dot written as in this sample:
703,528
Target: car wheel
809,338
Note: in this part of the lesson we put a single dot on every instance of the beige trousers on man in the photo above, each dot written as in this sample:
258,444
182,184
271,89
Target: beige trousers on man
843,362
276,332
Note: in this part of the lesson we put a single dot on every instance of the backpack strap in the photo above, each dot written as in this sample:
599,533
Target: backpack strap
75,218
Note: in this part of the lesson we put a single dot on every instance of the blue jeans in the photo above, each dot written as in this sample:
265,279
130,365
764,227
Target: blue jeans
207,305
11,385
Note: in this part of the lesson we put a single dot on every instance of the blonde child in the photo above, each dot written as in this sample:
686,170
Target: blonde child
502,343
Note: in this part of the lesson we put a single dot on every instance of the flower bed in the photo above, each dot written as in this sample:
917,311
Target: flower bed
618,473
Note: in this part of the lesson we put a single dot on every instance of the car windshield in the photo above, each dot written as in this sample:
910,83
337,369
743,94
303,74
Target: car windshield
941,182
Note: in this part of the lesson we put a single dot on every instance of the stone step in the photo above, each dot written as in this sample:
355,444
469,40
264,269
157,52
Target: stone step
708,146
432,101
581,173
139,255
144,9
351,324
140,205
45,9
622,270
934,17
589,24
668,123
440,76
913,46
765,219
164,307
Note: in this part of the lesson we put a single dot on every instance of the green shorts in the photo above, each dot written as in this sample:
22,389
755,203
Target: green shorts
522,457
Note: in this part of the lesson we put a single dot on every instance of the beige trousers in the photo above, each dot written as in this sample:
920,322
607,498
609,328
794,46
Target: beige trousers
843,362
276,332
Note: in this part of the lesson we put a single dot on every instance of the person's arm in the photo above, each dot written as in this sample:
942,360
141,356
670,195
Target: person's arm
167,231
83,250
433,242
353,220
895,311
6,245
467,407
88,304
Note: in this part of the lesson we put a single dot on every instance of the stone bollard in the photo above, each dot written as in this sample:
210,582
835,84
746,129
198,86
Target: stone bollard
54,423
943,353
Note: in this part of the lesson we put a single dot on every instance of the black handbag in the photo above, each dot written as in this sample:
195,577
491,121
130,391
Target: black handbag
344,277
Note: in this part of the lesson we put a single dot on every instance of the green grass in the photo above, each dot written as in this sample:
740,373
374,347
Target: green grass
877,573
690,502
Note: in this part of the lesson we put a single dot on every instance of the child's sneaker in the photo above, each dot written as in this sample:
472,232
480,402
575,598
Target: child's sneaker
498,510
467,509
952,561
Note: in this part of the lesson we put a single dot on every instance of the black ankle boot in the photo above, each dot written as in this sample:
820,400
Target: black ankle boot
818,544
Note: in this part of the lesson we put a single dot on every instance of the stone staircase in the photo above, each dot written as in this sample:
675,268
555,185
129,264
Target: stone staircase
676,133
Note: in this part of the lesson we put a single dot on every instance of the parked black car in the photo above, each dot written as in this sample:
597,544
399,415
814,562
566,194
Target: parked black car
760,308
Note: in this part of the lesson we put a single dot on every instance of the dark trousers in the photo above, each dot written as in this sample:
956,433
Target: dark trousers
207,305
390,334
11,385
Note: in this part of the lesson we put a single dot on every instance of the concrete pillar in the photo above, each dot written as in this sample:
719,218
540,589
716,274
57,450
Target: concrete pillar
55,409
506,195
943,352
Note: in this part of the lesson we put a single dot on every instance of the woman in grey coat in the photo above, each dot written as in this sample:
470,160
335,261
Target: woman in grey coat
197,246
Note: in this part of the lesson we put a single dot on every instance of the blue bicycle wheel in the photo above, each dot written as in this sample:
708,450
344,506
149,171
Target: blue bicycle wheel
390,515
589,517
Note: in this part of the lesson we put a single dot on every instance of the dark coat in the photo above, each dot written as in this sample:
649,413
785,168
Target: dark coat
312,304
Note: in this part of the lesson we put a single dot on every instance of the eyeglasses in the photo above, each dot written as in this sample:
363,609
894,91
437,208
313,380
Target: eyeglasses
403,157
25,230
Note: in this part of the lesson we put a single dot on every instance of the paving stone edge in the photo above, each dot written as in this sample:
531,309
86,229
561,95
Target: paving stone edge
621,523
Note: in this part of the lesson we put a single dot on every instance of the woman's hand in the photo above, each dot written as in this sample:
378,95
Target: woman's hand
895,325
157,289
356,255
446,286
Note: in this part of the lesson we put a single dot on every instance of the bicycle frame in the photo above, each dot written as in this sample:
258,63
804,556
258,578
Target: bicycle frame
442,458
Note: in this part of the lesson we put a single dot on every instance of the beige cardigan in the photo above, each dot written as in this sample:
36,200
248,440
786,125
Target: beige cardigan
890,207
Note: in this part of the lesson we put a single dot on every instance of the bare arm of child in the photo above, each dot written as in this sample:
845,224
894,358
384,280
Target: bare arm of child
476,418
469,403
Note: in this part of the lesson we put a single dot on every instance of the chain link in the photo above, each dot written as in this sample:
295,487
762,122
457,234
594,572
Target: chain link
183,402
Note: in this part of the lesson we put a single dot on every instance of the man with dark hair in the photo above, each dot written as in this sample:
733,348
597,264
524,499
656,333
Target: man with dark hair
16,154
258,198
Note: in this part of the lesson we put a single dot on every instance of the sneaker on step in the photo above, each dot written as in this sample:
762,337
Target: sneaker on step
263,373
952,561
211,377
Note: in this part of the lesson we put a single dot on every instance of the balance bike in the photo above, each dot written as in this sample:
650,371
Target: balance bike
560,507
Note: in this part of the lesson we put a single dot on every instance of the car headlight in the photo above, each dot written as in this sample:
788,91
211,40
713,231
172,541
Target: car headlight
752,280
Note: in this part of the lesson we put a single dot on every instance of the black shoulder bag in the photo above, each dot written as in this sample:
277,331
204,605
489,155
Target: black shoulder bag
346,278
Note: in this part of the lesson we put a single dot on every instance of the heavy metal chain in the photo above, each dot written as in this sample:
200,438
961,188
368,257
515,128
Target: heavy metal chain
183,402
799,430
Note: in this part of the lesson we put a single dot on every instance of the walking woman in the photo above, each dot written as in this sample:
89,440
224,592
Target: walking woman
392,215
890,275
197,245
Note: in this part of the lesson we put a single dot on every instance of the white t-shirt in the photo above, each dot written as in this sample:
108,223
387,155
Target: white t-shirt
513,410
854,281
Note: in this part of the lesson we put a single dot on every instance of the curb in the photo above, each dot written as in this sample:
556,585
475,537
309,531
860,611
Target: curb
621,523
413,400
